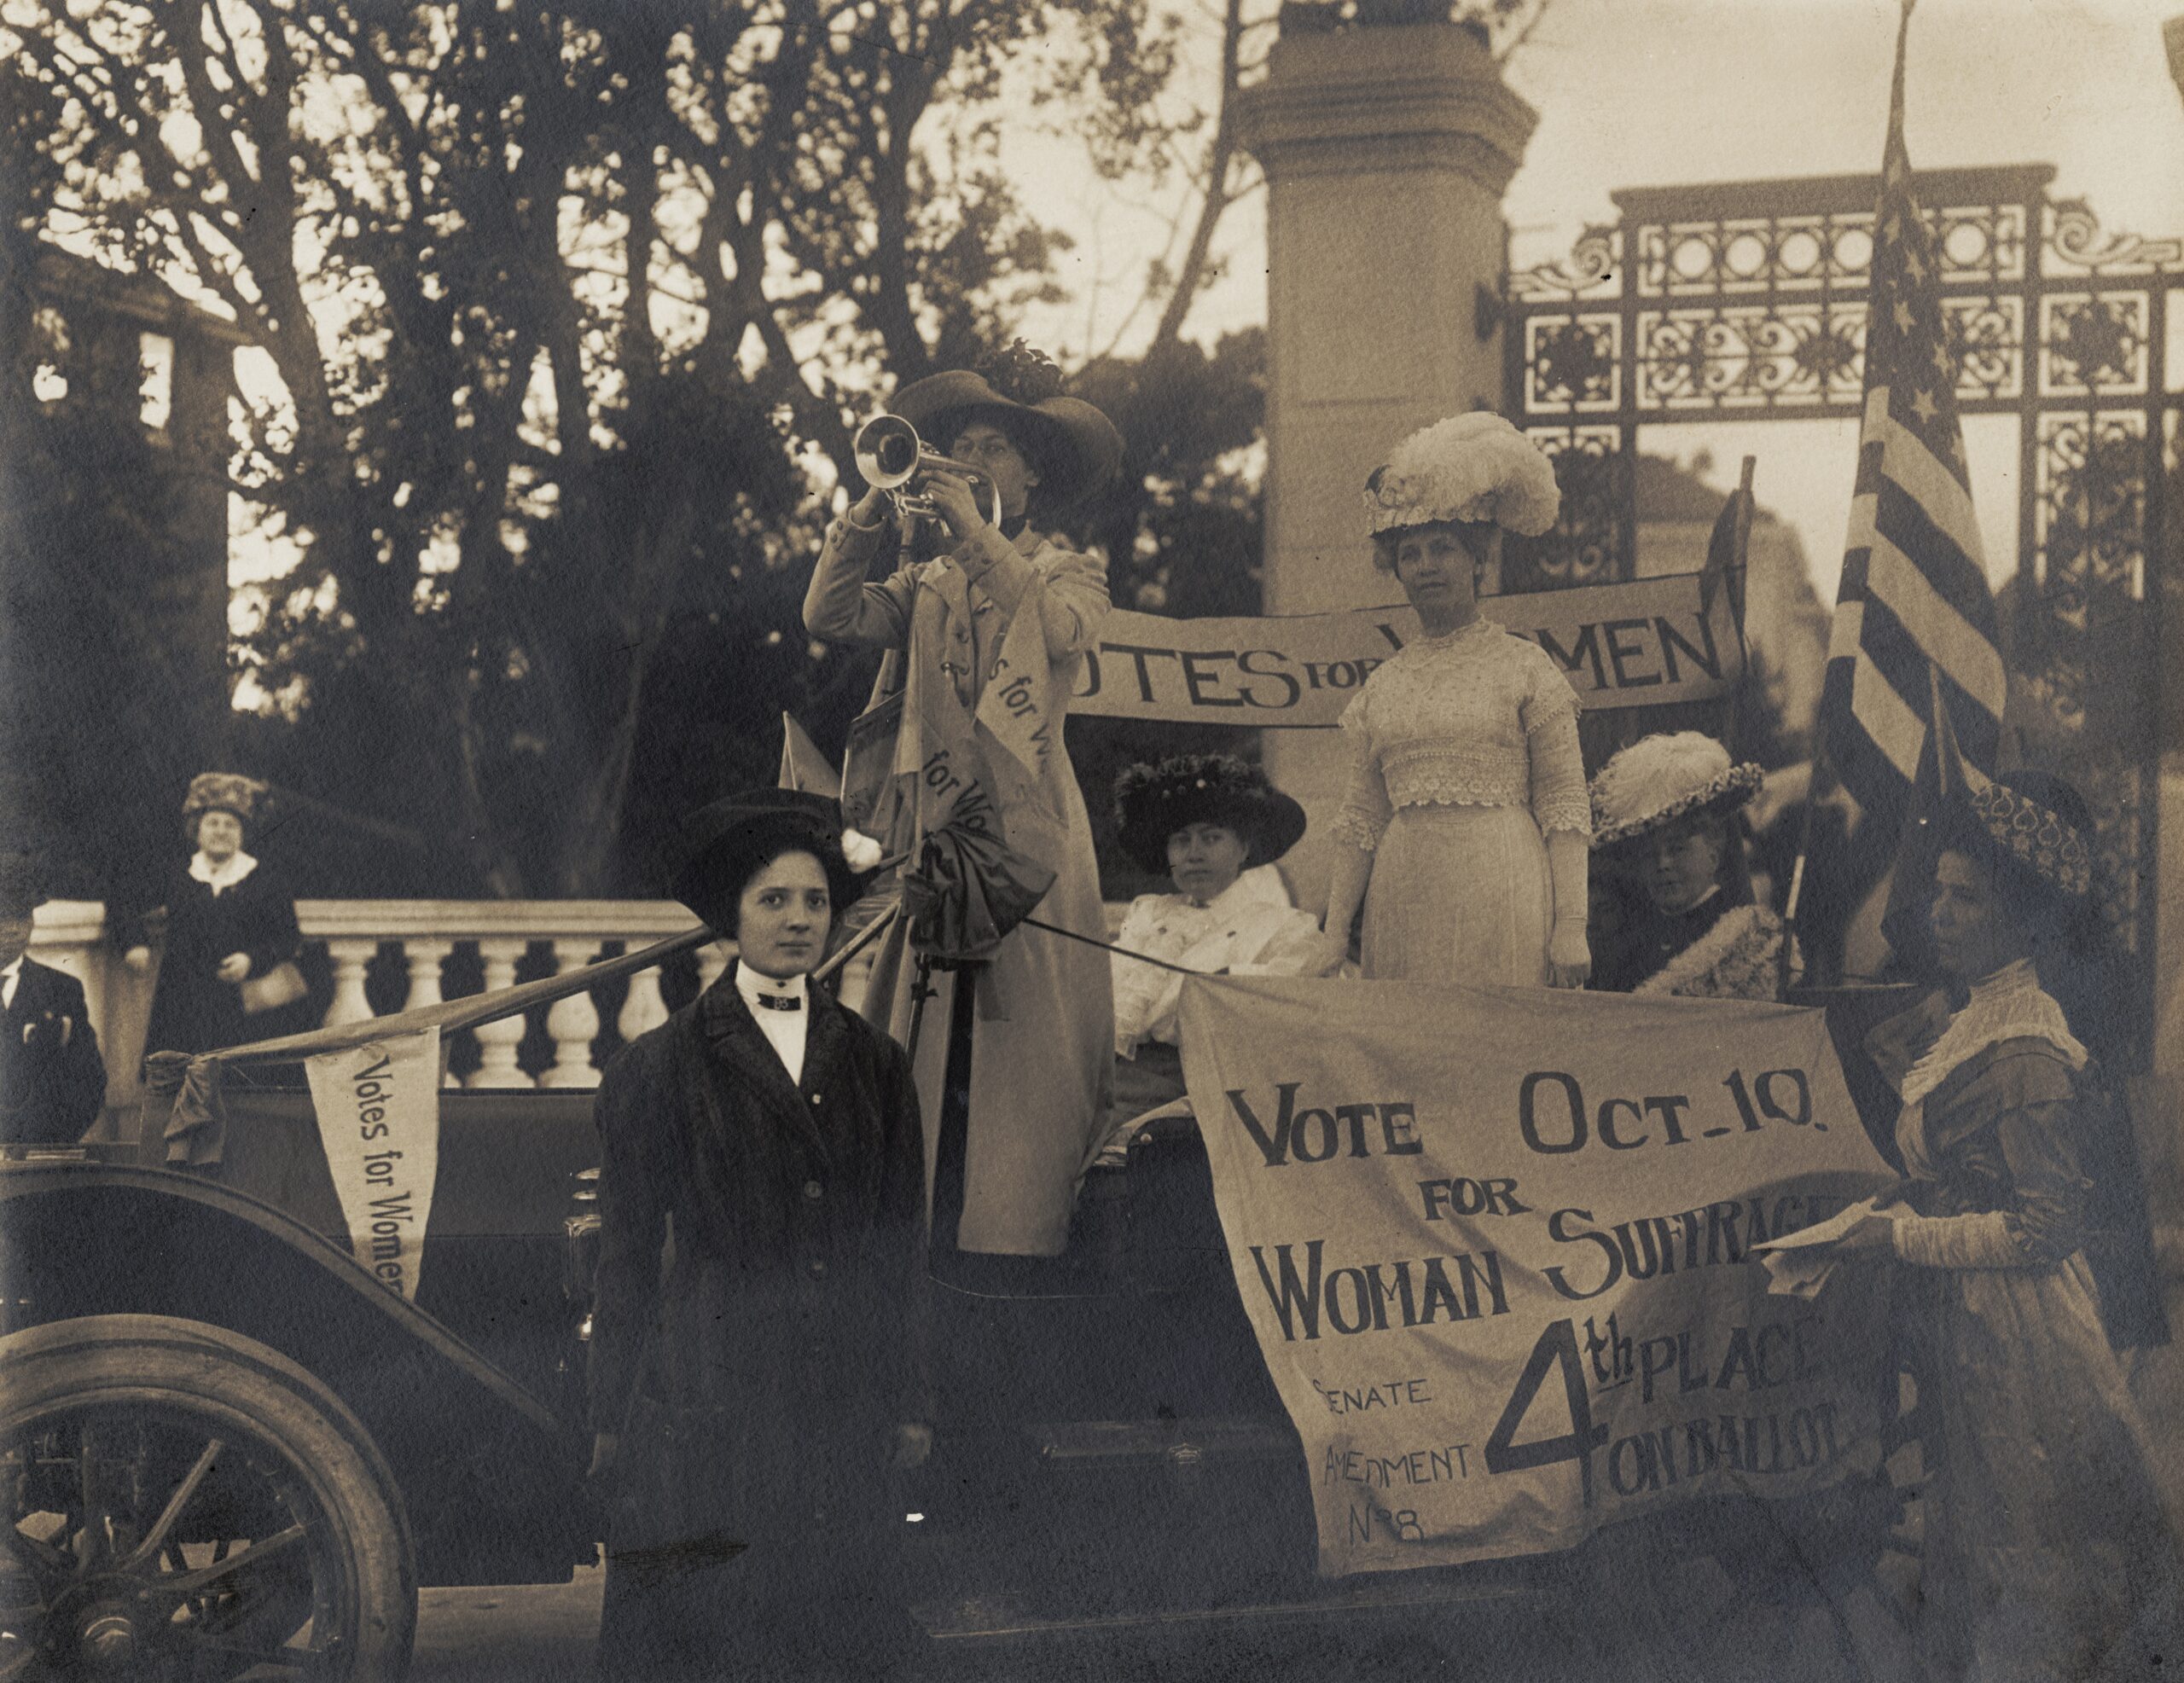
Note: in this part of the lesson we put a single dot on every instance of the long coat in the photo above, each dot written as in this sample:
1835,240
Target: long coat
1041,1052
757,1334
52,1080
192,1009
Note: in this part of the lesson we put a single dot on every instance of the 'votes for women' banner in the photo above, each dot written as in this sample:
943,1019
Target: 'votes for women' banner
379,1117
1640,642
1496,1246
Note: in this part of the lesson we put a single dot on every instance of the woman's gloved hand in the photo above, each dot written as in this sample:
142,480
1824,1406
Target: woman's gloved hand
1569,959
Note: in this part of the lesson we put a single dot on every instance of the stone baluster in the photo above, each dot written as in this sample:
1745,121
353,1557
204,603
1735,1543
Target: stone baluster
573,1021
644,1009
349,955
426,956
712,959
498,1041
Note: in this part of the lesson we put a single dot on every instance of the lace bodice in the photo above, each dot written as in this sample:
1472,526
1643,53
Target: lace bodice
1475,718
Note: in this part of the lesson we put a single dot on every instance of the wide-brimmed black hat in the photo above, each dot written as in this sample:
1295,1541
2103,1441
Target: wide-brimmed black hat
1071,444
718,848
1152,802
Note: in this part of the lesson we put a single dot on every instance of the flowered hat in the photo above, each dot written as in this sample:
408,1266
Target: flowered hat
222,791
1074,445
1469,468
1659,779
2017,820
1152,802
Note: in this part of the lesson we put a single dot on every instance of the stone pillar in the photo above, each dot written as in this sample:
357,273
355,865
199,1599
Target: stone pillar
1386,151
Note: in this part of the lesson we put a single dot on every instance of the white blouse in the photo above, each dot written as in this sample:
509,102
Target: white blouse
1478,717
1249,929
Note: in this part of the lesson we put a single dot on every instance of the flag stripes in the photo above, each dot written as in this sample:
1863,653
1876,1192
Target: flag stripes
1913,609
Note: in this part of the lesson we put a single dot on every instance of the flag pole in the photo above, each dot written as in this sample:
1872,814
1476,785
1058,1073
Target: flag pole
1792,908
1732,579
1937,722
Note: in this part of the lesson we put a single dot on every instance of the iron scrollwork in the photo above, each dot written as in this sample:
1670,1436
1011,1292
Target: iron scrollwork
1749,299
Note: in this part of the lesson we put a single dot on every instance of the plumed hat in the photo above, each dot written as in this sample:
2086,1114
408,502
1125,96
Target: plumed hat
1469,468
1073,445
222,792
1659,779
22,883
1152,802
719,848
2032,822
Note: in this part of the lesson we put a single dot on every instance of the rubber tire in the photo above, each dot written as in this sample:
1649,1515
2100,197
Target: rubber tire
144,1360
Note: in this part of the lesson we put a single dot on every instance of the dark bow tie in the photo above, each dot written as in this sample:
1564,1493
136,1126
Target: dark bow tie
779,1001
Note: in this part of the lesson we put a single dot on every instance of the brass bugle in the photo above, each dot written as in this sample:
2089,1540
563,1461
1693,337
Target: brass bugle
893,458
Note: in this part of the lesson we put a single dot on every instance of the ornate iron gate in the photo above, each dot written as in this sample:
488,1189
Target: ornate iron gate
1747,301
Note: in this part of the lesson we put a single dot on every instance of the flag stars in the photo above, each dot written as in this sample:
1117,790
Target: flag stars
1923,405
1905,319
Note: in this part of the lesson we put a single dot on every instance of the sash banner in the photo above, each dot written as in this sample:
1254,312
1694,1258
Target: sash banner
1496,1247
378,1117
1644,642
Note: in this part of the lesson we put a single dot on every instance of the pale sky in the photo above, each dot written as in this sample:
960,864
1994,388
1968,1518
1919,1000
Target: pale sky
1642,92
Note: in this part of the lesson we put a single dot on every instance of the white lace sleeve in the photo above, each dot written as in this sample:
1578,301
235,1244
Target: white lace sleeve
1365,810
1559,799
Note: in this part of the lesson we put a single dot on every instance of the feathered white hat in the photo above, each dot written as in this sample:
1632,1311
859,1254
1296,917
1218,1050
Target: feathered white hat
1658,779
1474,467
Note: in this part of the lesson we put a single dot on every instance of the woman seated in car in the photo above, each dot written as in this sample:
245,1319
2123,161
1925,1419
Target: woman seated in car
1214,826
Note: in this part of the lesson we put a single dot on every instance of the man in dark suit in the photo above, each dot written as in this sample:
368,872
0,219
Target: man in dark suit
52,1080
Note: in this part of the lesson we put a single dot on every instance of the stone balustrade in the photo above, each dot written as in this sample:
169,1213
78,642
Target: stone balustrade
369,958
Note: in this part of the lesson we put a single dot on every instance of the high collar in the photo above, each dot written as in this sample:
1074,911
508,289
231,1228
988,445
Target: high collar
2015,977
754,987
1238,896
237,866
2009,1004
1441,640
9,973
1709,905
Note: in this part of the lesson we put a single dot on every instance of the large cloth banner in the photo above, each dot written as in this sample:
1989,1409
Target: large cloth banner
378,1117
1496,1246
1641,643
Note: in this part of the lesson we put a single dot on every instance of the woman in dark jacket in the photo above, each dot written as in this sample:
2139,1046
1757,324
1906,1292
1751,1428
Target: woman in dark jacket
229,920
756,1355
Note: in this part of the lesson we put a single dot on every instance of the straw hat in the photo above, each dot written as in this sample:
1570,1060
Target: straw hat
2017,822
1659,779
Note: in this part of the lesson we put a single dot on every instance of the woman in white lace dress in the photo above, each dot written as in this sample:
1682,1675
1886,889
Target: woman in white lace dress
1466,828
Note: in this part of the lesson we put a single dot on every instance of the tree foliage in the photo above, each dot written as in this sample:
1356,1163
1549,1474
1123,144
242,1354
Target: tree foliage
571,306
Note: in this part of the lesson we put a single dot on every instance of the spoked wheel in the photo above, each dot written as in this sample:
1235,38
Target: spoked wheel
186,1505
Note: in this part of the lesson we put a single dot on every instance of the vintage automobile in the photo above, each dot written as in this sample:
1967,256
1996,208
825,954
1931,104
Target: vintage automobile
227,1446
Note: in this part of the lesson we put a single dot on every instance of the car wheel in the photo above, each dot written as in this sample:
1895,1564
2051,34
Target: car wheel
185,1503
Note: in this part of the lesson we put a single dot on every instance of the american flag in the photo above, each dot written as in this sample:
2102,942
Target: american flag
1914,584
